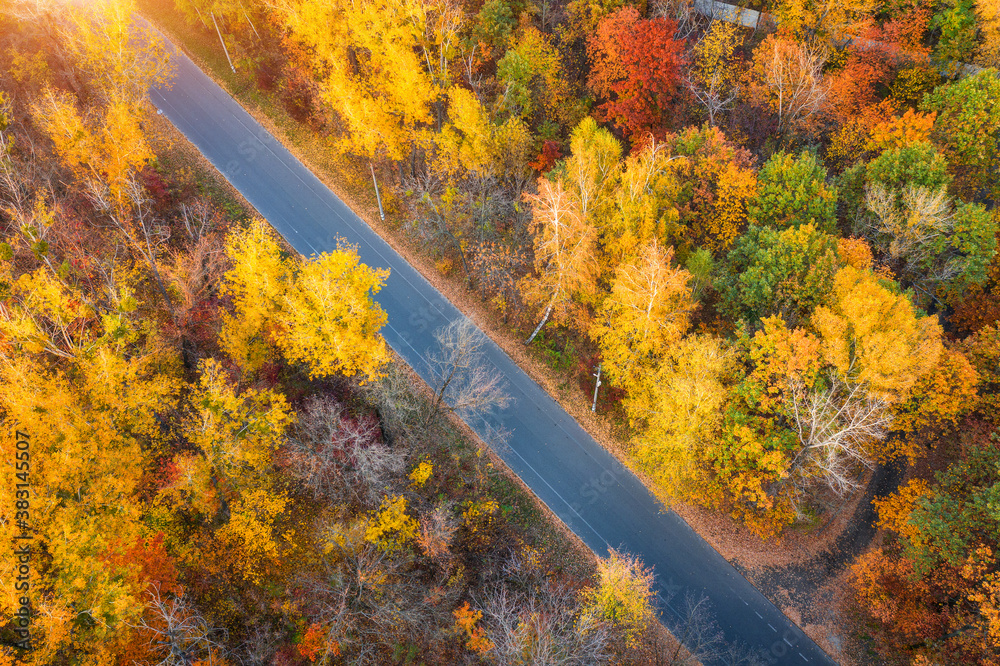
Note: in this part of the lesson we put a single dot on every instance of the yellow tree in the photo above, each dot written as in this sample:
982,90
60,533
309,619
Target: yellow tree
259,277
676,410
384,66
639,204
122,55
623,596
319,313
647,312
872,335
939,398
988,13
736,187
332,322
86,388
714,74
816,20
473,142
565,253
236,432
104,150
592,169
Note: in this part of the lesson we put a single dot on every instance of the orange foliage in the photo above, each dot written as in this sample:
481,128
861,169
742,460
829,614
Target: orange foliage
314,643
855,252
941,396
895,509
148,565
889,591
900,131
983,350
854,87
465,622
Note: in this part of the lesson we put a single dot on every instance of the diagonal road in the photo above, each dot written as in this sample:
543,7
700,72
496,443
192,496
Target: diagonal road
600,500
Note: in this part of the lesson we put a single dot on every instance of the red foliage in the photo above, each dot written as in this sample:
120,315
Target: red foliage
156,188
636,68
547,158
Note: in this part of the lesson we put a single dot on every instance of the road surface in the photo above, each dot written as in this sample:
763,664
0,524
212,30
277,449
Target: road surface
600,500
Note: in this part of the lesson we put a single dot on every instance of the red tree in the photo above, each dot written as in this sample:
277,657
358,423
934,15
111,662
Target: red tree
636,69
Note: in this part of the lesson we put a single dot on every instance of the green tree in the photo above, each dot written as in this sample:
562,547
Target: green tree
793,191
786,273
918,164
967,128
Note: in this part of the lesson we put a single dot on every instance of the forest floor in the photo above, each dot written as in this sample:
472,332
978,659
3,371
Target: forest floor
802,573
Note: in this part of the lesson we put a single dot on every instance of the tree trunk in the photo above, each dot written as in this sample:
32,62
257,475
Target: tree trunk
548,311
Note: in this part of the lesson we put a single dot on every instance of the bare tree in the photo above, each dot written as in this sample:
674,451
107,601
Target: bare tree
911,220
698,639
915,227
790,78
401,409
836,428
369,600
463,379
541,626
333,455
682,11
144,232
436,531
178,632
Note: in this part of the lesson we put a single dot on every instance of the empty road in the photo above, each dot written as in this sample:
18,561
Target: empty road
600,500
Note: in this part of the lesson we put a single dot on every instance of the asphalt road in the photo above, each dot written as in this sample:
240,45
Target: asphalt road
578,480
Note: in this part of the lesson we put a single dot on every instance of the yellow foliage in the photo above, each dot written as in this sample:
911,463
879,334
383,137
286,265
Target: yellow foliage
421,473
849,142
941,396
258,278
236,432
623,595
319,313
565,252
250,534
824,19
478,515
472,142
872,335
391,528
108,149
331,321
988,13
713,57
782,355
894,511
676,410
123,56
647,312
901,131
736,187
382,65
640,209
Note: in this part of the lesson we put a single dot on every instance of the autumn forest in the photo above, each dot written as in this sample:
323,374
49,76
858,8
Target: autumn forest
775,244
